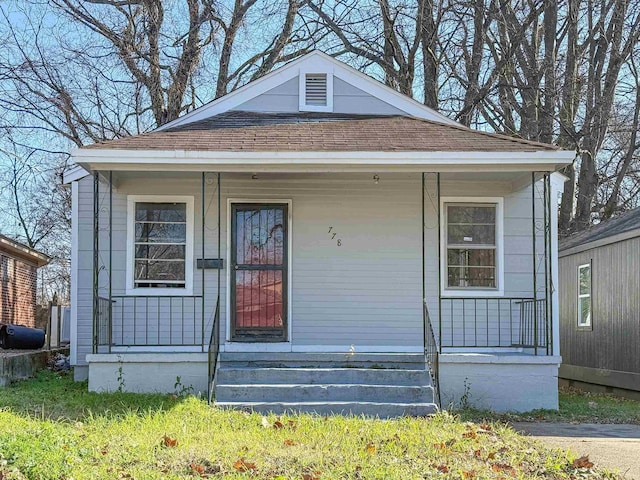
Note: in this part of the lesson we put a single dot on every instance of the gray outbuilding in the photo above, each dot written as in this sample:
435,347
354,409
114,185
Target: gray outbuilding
600,304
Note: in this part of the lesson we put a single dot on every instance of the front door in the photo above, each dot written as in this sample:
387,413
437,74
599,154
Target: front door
259,240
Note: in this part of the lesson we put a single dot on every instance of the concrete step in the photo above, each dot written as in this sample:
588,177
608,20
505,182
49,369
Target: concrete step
409,361
323,393
371,409
279,375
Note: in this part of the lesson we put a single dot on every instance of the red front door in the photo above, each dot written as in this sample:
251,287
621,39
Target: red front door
259,272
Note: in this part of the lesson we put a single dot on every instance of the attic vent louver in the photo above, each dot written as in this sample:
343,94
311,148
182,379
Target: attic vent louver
316,89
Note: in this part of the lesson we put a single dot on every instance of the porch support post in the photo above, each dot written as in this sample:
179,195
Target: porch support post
439,266
202,265
547,263
535,282
217,333
96,226
110,329
424,288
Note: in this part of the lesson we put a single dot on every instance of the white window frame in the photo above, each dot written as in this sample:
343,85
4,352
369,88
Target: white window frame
579,323
447,291
302,90
131,289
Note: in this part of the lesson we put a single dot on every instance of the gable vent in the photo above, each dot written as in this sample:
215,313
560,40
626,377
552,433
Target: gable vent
315,89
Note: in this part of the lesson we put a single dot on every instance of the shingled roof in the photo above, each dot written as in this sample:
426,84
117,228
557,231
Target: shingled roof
623,223
236,131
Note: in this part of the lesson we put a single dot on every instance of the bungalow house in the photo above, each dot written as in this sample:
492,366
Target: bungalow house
18,282
317,241
600,305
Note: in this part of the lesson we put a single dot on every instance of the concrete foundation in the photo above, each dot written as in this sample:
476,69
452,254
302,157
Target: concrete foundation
499,382
148,372
80,373
22,364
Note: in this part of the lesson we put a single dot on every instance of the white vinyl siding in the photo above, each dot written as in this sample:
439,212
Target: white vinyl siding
365,292
584,295
346,99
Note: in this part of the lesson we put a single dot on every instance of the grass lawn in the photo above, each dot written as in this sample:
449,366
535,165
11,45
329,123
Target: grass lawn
52,428
575,406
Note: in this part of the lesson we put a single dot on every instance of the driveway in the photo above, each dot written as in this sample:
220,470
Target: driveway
609,446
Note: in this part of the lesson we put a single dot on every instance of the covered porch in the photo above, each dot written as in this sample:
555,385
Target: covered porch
369,263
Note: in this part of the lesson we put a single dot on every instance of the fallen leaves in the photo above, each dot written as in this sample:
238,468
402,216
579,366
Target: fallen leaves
278,424
198,469
503,468
470,434
289,443
311,476
442,468
370,448
583,462
169,442
242,465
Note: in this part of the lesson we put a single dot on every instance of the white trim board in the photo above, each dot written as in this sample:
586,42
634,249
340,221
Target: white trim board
345,349
203,157
289,204
75,230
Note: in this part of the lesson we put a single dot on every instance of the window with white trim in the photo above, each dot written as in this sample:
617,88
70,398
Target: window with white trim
160,243
584,295
471,246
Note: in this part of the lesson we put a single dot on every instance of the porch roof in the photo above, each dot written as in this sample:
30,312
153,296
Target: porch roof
242,131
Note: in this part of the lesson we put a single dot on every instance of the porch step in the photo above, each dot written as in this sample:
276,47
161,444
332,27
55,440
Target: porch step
325,384
322,375
344,360
325,392
371,409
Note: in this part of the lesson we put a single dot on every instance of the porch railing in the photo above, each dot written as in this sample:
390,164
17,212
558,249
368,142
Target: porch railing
214,350
469,322
103,322
133,320
431,354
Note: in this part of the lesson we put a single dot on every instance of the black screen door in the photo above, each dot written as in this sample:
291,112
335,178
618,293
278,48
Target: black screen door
259,272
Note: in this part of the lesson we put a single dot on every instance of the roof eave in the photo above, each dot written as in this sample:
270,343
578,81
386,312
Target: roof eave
251,161
24,252
599,242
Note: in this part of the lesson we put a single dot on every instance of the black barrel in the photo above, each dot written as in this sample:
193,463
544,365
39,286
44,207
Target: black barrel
19,337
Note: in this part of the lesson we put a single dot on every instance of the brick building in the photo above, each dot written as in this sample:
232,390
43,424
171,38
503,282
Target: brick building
18,281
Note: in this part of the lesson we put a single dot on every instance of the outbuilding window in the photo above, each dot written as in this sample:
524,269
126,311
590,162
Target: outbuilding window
160,244
584,296
472,246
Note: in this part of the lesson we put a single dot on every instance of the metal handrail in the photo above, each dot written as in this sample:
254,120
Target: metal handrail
214,351
431,354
